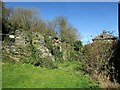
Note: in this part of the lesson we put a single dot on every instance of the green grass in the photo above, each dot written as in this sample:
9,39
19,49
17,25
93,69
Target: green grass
29,76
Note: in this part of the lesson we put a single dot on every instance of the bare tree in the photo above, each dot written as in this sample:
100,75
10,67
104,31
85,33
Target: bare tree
23,17
65,30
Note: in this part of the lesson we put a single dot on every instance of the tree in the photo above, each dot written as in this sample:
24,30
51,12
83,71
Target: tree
77,45
51,28
5,11
65,31
39,26
4,19
23,18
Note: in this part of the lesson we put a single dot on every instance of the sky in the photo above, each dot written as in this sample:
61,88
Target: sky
89,18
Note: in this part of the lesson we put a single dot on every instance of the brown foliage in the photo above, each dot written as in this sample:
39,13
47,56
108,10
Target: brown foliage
97,60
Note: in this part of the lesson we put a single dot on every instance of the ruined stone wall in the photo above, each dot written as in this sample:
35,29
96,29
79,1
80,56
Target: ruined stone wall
20,49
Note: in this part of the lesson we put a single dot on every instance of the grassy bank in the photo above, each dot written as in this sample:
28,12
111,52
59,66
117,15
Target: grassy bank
29,76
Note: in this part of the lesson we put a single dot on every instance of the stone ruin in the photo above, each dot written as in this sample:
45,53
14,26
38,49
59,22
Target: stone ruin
19,49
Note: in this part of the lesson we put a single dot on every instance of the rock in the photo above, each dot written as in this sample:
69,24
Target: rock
39,43
20,38
21,47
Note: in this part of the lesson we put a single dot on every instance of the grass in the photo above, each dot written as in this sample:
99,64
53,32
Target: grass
29,76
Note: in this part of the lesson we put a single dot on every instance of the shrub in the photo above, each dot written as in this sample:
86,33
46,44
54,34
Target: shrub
115,63
55,50
97,59
36,54
77,45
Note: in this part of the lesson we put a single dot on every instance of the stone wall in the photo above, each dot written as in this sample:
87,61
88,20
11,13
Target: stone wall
39,44
20,49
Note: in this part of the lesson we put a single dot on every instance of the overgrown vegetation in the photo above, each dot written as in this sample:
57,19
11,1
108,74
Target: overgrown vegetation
99,60
57,52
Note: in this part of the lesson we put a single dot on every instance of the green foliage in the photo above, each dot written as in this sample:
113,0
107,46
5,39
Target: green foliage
27,20
37,60
55,51
71,53
77,45
98,58
48,43
25,54
35,54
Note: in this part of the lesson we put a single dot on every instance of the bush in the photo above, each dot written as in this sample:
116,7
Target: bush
54,50
77,45
36,54
115,63
97,59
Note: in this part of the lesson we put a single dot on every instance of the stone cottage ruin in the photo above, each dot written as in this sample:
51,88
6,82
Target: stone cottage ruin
105,36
